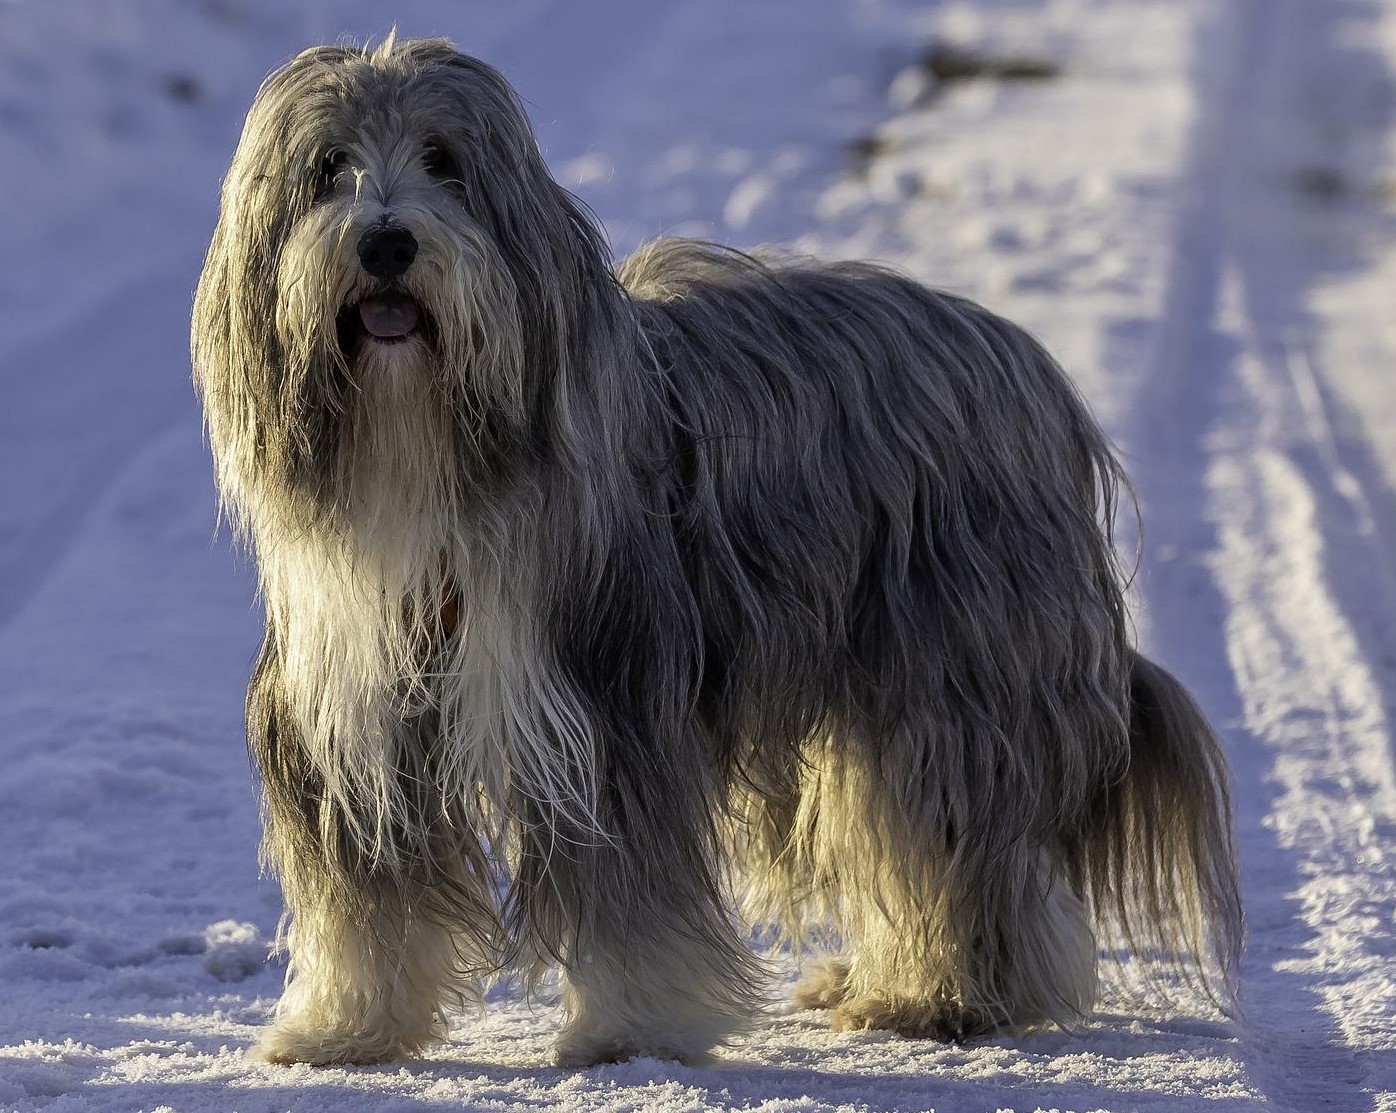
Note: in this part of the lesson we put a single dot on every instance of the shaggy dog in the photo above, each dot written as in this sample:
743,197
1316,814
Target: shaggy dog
607,607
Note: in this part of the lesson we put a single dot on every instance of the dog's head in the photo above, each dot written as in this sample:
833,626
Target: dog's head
390,240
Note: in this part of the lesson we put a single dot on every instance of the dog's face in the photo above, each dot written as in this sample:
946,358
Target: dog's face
384,164
390,240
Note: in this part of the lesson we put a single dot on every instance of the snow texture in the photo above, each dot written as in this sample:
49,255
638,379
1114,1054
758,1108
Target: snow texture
1192,202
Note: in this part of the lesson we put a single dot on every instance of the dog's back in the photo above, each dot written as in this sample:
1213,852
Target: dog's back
866,471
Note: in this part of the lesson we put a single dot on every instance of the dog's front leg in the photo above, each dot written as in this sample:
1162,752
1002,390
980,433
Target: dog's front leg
652,964
364,987
371,956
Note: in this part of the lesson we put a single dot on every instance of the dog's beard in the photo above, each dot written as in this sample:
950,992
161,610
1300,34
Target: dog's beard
407,410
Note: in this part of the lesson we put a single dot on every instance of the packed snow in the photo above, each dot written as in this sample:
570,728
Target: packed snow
1193,203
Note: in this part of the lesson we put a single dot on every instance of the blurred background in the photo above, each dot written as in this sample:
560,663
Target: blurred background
1192,202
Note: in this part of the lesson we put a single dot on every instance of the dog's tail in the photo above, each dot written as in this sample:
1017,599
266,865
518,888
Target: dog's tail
1160,864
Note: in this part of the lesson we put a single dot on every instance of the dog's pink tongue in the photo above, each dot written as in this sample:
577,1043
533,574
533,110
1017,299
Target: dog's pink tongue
388,315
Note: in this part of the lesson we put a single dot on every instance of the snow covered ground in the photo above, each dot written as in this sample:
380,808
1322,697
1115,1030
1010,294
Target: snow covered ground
1197,212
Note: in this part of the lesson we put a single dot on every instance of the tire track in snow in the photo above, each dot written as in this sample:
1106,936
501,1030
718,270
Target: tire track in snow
1239,454
52,391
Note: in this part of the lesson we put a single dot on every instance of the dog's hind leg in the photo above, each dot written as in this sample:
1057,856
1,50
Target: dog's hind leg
940,941
823,983
1028,961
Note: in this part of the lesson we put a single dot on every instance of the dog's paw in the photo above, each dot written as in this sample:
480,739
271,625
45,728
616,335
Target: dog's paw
940,1020
286,1043
824,984
574,1051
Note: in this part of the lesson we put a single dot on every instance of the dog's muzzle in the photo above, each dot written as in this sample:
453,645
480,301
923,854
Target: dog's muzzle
386,251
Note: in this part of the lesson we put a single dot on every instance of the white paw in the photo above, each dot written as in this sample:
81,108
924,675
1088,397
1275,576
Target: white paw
288,1041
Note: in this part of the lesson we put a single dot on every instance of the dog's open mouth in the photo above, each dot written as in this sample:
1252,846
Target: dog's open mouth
389,316
386,318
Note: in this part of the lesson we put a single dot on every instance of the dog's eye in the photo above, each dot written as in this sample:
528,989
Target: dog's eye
438,163
331,166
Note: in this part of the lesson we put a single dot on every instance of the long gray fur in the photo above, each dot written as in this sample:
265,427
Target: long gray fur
610,605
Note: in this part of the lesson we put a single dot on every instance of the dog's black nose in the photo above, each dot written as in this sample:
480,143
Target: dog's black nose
387,251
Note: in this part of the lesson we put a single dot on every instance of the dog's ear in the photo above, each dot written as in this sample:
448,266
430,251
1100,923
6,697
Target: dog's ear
556,254
536,222
269,185
238,362
236,357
